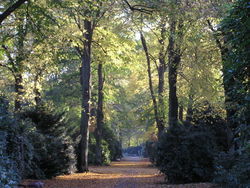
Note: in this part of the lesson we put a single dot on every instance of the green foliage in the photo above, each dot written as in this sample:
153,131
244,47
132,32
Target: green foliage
9,173
111,147
211,117
151,151
235,29
114,145
186,154
12,140
106,158
233,170
54,150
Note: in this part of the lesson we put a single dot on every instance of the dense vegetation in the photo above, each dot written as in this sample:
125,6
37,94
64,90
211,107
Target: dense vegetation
80,80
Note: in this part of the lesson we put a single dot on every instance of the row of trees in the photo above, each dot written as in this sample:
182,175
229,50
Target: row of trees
129,66
208,146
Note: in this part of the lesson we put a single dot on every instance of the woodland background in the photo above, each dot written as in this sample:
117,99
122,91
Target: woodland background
82,79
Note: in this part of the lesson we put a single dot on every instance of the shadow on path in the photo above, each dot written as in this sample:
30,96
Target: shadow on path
130,172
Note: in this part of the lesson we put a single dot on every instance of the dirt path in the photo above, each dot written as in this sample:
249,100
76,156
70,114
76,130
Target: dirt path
131,172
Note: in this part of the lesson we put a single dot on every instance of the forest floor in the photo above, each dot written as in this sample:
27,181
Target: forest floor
131,172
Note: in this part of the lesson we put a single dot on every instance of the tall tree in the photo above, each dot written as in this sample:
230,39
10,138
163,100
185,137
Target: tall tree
174,59
99,115
86,16
150,82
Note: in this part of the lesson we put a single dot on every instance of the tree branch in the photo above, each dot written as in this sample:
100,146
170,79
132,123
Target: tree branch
140,8
11,9
215,37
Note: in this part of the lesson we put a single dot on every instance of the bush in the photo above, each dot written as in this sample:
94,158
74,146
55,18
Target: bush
111,147
16,152
186,153
209,117
233,170
106,157
151,151
9,173
54,152
114,146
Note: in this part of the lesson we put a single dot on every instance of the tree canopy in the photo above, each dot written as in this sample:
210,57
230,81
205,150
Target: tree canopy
98,76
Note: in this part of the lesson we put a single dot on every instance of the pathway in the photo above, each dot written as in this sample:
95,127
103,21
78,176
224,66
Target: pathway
132,172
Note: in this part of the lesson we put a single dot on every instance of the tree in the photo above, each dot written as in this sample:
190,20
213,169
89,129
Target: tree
86,16
99,115
21,43
236,69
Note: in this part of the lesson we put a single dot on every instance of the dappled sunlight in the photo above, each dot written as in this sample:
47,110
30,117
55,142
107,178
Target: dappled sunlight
126,164
118,174
92,175
122,174
89,175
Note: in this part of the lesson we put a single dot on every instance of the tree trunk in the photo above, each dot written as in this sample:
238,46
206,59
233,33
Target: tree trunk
18,70
227,81
161,76
150,82
161,79
37,91
18,91
86,96
180,112
190,108
99,116
174,59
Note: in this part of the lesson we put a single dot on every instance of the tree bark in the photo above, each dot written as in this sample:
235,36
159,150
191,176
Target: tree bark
189,115
86,96
18,64
227,81
99,116
161,78
11,9
150,82
36,90
18,91
174,59
180,112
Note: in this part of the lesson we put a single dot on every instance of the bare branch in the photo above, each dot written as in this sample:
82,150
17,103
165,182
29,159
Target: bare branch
105,51
11,9
139,8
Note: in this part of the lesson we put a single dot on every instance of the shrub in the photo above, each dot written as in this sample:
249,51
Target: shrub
9,176
16,151
54,152
209,117
114,146
151,151
92,151
186,153
111,147
233,170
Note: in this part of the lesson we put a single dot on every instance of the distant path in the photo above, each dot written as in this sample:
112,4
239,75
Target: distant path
130,172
